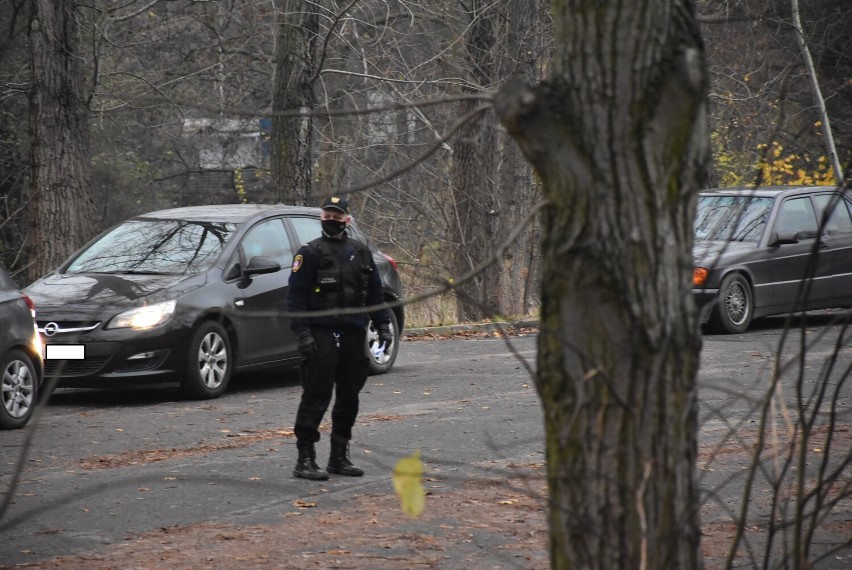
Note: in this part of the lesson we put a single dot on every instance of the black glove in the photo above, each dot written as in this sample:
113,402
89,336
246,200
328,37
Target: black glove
306,344
385,336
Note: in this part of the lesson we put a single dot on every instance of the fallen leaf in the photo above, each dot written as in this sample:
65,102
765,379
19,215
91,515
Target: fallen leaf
408,484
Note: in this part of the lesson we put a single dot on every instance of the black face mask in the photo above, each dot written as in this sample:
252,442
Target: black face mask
333,228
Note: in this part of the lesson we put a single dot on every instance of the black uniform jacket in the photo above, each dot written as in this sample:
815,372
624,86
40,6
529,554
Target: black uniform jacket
307,280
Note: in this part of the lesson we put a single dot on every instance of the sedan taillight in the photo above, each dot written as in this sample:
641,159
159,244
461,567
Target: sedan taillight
391,260
29,303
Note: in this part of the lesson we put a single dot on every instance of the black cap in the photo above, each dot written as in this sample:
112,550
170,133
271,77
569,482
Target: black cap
336,203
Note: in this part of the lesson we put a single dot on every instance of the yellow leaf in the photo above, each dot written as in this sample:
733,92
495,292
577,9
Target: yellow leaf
408,484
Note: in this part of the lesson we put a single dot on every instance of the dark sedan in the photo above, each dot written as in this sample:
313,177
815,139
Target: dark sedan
189,295
770,251
20,355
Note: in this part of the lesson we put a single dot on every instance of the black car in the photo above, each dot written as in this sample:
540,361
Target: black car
769,251
189,295
20,355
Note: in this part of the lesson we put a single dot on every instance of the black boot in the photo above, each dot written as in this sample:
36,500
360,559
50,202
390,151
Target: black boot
338,461
306,466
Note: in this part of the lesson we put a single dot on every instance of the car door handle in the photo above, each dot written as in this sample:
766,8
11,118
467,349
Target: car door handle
240,303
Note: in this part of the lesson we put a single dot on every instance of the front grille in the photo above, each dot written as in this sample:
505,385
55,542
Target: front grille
67,327
68,368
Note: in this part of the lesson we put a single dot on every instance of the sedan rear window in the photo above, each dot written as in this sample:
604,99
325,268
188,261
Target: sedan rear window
155,247
731,218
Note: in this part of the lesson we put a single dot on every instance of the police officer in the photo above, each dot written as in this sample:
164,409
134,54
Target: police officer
333,271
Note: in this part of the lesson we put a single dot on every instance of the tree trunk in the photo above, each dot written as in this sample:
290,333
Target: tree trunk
61,202
472,179
518,190
619,139
292,136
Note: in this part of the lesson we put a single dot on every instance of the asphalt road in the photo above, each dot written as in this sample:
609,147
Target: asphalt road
105,465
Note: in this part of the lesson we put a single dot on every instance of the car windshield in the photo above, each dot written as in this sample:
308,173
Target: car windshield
155,247
731,218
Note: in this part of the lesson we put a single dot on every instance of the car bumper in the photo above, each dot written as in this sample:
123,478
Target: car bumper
115,357
704,299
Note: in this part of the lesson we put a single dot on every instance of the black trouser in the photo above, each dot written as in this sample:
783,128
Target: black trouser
341,366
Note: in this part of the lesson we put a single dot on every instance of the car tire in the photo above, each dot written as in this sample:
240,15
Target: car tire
734,305
383,363
209,362
18,389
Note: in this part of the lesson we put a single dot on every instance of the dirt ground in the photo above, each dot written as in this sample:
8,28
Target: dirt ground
481,524
478,524
486,523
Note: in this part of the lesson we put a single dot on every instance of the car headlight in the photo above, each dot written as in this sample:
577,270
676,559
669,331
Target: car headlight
145,317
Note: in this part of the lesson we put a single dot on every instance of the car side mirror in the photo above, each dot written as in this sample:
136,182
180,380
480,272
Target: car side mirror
783,238
260,265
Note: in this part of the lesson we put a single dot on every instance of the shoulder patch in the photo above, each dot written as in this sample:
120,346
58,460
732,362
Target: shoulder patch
297,262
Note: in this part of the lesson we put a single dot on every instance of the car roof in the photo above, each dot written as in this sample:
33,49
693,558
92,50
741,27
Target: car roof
234,213
764,191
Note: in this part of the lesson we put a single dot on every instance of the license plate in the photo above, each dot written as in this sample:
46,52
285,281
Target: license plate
65,352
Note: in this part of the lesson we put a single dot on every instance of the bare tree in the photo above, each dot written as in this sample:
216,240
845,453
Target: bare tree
14,69
491,186
762,94
295,66
62,211
472,179
526,40
619,139
819,100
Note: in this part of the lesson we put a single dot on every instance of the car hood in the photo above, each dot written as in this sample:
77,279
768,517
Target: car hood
704,252
87,294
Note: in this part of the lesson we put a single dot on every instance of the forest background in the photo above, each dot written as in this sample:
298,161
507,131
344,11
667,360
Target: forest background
192,102
413,110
